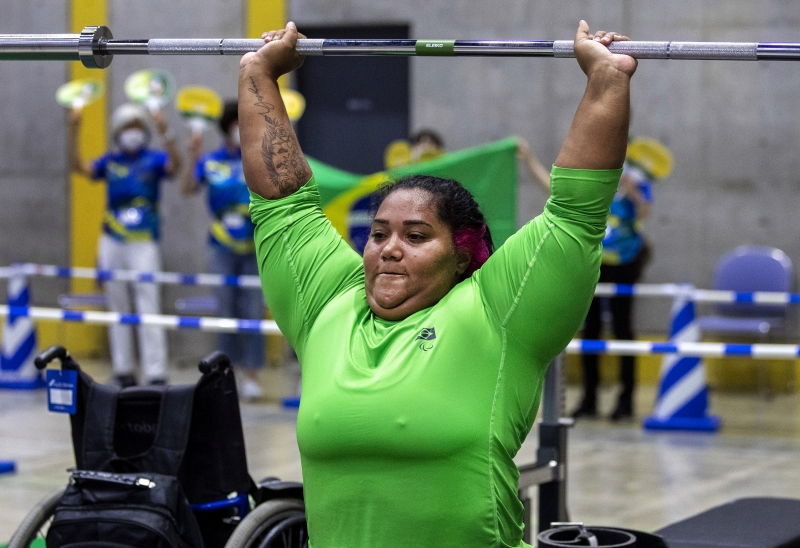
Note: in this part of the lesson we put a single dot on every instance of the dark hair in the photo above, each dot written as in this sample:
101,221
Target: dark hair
230,116
430,134
456,207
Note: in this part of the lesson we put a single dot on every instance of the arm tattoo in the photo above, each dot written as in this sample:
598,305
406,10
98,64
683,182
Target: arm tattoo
280,150
254,90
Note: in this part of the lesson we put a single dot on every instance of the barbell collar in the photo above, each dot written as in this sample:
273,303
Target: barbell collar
89,51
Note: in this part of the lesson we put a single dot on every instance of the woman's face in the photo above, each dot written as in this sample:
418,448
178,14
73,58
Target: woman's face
133,136
410,261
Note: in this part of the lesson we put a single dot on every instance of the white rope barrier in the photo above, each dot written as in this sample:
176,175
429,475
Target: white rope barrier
227,325
165,278
718,350
234,325
697,295
603,290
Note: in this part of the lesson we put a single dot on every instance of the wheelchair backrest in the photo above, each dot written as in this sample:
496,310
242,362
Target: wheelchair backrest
136,420
214,463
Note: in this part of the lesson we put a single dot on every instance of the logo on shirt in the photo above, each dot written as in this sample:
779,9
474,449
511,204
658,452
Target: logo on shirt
426,336
217,172
118,170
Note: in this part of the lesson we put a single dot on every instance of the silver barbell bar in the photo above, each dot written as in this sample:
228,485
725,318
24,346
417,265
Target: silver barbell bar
95,47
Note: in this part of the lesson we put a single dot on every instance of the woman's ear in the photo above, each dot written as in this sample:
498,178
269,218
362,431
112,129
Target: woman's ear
463,258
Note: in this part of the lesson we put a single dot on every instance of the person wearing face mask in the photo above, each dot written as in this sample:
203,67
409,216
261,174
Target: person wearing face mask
133,174
230,238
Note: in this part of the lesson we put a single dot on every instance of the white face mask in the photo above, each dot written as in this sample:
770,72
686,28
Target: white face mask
131,140
235,136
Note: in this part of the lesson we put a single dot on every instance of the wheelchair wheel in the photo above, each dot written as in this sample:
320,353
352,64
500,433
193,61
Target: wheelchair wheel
279,523
35,524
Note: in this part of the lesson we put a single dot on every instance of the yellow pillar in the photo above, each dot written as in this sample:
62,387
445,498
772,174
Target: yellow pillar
87,199
261,16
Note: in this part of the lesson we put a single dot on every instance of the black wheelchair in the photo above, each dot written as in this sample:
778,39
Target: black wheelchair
232,510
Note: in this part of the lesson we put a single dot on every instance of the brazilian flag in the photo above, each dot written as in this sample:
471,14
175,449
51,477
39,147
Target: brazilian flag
489,172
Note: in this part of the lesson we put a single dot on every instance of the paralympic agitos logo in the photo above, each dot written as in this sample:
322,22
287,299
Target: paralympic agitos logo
426,336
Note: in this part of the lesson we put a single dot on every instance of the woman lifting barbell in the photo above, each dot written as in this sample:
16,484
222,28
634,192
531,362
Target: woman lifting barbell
423,362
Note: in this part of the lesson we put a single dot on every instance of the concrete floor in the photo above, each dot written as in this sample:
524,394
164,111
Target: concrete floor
618,474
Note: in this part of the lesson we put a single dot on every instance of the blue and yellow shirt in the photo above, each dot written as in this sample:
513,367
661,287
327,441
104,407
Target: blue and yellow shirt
623,239
228,200
132,184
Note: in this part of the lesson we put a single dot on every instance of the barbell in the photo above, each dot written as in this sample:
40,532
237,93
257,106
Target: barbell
95,47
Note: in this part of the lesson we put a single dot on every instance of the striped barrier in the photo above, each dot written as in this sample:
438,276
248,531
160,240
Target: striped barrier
165,278
226,325
18,350
603,290
697,295
682,390
716,350
234,325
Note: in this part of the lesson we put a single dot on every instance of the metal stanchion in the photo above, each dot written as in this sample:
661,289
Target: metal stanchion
549,472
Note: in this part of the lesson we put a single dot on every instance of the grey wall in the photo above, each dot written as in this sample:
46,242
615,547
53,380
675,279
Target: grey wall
733,127
33,187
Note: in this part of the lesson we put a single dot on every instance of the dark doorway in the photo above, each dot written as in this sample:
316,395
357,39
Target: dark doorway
355,106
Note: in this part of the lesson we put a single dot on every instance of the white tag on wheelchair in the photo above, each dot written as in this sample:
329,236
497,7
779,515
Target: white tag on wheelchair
62,391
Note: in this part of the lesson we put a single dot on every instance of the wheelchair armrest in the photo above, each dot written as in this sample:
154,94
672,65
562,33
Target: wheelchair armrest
215,360
273,488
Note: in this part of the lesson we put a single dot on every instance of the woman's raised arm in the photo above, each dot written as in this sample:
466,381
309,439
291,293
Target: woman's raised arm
598,136
540,282
274,165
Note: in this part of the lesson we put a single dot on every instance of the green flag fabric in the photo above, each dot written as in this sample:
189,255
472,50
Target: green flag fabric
489,172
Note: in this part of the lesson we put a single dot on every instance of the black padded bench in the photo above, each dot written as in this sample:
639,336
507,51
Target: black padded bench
744,523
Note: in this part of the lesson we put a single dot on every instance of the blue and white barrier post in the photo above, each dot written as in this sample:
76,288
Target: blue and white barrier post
682,402
19,340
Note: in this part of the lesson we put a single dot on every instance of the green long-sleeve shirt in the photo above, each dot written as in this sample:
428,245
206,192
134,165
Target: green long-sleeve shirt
407,429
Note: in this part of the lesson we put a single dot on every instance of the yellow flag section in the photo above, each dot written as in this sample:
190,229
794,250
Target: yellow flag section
489,172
